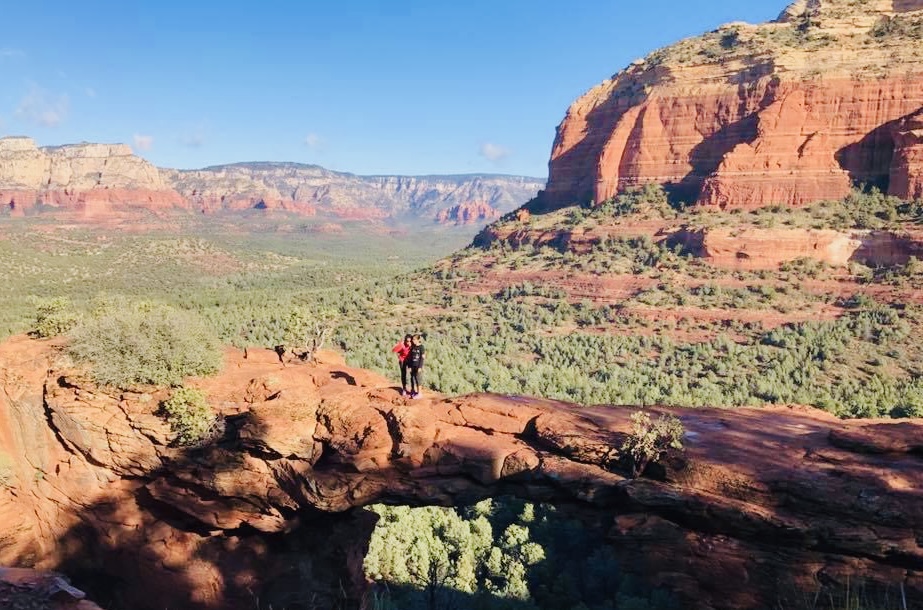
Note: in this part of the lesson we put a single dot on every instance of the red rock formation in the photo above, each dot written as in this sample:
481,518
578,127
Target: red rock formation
98,181
789,112
767,248
907,165
737,247
302,188
759,497
17,201
467,213
263,200
91,179
752,248
815,143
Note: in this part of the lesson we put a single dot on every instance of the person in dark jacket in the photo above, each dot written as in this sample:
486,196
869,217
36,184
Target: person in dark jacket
402,349
414,361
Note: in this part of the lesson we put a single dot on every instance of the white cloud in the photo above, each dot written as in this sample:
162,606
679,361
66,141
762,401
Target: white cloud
42,108
143,142
11,53
90,92
314,141
195,139
494,152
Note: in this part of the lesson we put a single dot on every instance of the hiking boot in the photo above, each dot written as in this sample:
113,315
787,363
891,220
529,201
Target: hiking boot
402,391
417,395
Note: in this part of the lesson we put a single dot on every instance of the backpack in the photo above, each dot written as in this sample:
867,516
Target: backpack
415,357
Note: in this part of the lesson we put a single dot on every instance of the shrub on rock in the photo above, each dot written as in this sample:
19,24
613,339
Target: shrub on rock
130,344
650,439
54,317
190,417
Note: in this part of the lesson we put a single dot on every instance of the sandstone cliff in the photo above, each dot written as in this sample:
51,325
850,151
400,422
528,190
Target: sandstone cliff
741,245
788,112
89,178
468,213
98,180
759,497
754,248
297,187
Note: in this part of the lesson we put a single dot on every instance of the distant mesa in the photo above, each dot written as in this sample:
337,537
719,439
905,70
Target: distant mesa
824,99
99,181
471,212
86,178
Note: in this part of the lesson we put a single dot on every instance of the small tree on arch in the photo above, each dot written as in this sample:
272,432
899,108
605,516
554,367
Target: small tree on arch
304,333
650,439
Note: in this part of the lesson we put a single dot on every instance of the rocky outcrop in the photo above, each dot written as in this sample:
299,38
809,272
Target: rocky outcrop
789,112
731,247
907,164
754,248
471,212
29,589
296,187
759,496
88,178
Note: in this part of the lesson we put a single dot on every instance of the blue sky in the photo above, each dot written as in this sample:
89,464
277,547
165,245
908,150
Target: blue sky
366,86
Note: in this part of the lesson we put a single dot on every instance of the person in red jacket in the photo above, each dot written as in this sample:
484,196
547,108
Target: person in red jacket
402,349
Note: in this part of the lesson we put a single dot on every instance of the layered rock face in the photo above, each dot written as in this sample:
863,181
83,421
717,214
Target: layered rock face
789,112
310,188
468,213
907,179
737,247
90,178
97,180
754,248
760,497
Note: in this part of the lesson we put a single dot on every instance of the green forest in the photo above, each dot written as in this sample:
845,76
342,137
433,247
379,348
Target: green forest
500,554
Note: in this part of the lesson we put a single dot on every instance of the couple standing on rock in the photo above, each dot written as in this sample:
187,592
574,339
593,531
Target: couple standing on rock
410,356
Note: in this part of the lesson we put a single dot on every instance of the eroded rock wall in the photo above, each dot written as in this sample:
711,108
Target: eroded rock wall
100,180
91,178
743,246
468,213
309,189
754,248
789,112
907,163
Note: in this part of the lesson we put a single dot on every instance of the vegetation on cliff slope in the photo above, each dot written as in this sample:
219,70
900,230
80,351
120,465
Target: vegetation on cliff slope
838,35
540,338
190,416
520,335
133,343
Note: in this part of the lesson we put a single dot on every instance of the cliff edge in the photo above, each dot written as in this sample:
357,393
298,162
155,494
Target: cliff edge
760,496
827,97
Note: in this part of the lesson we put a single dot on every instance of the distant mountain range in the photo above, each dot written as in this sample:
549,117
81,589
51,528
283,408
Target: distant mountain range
297,187
93,180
